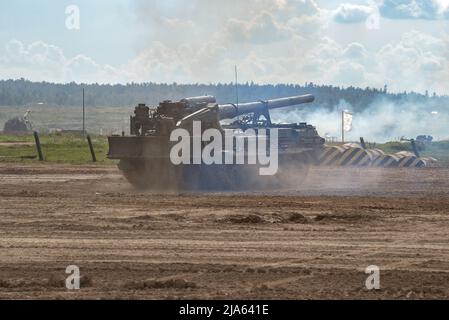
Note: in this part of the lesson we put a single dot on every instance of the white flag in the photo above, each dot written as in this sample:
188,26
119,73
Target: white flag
347,121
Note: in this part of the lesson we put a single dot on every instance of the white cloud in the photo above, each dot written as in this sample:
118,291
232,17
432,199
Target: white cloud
393,9
355,51
260,30
347,73
40,61
351,13
415,9
175,23
416,62
271,41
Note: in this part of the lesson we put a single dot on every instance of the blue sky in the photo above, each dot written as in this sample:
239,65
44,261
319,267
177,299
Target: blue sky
103,23
402,43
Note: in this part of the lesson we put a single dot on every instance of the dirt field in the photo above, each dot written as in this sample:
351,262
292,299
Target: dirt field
314,242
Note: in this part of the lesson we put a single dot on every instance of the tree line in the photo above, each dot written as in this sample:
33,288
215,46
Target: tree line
23,93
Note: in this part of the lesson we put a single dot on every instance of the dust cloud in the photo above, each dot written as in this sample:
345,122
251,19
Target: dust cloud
382,121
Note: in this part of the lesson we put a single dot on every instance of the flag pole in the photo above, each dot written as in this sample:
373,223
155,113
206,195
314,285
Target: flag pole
343,126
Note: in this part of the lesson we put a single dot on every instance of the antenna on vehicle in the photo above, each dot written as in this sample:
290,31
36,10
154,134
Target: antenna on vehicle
237,89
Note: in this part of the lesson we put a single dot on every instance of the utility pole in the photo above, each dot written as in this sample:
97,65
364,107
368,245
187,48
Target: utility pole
84,116
236,86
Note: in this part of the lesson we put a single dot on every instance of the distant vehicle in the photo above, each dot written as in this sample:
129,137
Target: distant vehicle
17,126
424,139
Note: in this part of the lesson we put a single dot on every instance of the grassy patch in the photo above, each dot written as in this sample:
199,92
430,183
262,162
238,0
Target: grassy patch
57,148
106,120
72,149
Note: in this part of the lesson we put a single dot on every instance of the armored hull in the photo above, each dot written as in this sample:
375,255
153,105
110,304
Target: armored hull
145,156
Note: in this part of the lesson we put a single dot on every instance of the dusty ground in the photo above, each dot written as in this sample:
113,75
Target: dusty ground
314,242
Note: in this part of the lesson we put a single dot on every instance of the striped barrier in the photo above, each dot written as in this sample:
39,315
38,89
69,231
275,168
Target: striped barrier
350,154
351,145
386,161
429,160
410,160
354,155
330,155
375,154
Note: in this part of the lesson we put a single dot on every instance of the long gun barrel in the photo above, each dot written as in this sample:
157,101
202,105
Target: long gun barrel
230,111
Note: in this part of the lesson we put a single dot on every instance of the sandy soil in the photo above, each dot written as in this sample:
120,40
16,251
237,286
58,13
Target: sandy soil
312,242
